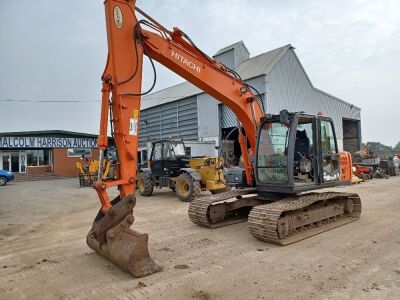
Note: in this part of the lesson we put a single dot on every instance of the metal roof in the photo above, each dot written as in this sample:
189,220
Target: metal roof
47,133
261,64
230,47
336,98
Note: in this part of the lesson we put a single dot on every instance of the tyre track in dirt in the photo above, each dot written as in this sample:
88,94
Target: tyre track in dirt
46,261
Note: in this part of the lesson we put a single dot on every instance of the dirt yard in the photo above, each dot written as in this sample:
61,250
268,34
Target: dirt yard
43,253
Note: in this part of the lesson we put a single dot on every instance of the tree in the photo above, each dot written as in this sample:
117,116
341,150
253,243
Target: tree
379,149
397,148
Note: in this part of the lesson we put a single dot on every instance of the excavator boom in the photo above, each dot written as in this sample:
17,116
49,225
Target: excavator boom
128,42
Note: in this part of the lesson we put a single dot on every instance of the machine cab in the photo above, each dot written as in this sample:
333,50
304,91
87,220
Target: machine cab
167,157
296,152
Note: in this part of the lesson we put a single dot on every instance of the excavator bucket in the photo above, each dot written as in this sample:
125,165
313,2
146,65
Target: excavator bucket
112,237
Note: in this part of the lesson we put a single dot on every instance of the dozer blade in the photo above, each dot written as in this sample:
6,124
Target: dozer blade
112,237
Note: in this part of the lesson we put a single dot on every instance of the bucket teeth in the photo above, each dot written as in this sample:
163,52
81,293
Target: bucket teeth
123,246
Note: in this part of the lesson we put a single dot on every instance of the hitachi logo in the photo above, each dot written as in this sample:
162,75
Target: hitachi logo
184,60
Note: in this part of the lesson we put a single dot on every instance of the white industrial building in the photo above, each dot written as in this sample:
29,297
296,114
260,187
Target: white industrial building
185,111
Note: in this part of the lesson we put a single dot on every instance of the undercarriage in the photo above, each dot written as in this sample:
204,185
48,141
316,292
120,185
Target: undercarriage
281,222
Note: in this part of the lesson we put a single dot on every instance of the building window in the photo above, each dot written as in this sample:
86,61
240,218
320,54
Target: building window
188,151
32,158
46,157
38,157
41,158
79,152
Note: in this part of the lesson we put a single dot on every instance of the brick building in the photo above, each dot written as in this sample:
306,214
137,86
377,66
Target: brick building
53,151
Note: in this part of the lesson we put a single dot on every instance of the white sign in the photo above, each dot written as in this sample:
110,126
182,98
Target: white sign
46,142
118,16
133,126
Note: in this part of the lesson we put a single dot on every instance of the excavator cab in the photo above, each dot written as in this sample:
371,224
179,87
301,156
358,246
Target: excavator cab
296,152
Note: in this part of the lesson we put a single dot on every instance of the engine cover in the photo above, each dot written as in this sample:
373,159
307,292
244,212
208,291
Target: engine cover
235,177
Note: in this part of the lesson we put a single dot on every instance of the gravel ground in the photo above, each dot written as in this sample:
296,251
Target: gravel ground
43,253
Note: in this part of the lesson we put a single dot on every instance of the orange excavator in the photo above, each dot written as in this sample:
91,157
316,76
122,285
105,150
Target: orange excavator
283,155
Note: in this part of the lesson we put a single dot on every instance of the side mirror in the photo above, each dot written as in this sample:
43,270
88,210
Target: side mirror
284,117
217,147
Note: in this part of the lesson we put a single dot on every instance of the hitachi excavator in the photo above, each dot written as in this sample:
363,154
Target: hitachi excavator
284,156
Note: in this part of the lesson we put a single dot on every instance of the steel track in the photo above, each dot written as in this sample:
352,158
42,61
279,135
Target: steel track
263,219
199,208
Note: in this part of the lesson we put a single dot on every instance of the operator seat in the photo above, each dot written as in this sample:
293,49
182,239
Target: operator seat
302,145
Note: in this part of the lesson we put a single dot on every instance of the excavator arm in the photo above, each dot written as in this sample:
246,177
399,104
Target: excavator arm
128,41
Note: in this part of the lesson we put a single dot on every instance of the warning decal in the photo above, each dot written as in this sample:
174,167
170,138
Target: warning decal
133,127
133,123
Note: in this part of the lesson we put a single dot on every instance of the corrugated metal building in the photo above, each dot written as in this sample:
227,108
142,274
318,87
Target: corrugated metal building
187,112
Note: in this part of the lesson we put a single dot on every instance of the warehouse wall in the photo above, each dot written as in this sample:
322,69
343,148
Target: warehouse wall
288,87
227,58
208,116
228,118
213,114
177,119
201,148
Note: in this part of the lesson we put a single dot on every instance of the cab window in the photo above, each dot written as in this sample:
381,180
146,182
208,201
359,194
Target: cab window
167,151
272,160
157,151
330,165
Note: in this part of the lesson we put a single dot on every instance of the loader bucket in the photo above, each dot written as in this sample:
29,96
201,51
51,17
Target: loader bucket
112,237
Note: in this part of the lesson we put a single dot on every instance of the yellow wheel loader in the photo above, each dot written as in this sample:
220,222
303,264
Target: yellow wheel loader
170,167
88,171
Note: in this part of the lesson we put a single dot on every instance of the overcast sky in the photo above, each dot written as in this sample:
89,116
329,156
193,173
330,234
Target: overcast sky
56,50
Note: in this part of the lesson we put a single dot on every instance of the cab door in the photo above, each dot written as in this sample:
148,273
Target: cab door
329,162
168,158
157,166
